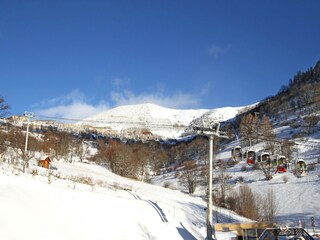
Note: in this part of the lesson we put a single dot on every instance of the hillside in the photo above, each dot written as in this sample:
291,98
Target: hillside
160,121
296,197
300,97
83,201
87,201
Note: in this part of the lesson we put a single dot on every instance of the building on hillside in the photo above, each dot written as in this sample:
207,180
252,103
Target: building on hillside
245,231
17,119
44,163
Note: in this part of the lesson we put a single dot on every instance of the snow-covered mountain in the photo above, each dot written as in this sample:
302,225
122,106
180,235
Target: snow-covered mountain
160,121
69,196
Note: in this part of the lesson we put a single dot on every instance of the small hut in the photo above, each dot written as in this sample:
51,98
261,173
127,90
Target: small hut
250,230
44,163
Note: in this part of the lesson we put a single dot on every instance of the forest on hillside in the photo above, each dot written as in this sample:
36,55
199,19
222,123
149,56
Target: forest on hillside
302,94
300,98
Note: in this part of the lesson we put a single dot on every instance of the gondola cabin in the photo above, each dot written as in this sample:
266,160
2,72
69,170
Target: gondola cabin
281,164
236,153
264,157
250,156
301,168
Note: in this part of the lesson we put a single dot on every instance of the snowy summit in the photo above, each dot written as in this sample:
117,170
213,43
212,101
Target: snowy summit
161,121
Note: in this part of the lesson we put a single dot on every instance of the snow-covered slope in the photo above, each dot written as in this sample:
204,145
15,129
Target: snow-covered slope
56,206
161,121
110,207
296,197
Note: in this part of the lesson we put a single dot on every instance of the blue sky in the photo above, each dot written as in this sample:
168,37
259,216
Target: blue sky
71,59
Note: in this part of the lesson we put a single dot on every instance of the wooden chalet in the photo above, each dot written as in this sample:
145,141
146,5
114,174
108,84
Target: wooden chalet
44,163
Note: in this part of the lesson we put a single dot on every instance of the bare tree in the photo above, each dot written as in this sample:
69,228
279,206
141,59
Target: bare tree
119,156
287,149
58,144
266,169
311,123
221,187
81,149
4,107
189,176
139,161
121,164
158,158
247,205
269,208
248,128
16,139
3,142
267,133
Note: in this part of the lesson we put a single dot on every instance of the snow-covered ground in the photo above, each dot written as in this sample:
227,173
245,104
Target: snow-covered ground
48,207
297,197
84,201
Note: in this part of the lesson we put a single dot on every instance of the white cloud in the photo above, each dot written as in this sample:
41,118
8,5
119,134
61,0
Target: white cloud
216,51
177,100
206,88
74,96
74,110
76,105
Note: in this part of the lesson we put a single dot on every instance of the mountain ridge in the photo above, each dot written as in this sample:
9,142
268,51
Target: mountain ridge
161,121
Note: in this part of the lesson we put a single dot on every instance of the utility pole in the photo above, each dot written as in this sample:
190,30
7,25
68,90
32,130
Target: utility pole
210,132
28,115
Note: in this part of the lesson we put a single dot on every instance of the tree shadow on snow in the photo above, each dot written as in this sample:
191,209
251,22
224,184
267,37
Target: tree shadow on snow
184,233
304,218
